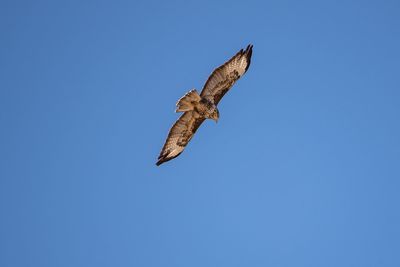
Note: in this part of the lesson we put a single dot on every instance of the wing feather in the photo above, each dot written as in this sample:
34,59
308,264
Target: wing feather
223,77
179,136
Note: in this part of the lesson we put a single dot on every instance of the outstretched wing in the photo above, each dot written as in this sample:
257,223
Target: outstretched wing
223,77
180,135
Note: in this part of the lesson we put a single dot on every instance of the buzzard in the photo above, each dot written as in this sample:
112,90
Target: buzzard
196,108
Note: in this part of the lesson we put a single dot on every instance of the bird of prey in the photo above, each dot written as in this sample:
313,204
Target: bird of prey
196,108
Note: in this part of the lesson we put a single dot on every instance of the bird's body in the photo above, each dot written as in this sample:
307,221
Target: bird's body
201,105
206,108
198,108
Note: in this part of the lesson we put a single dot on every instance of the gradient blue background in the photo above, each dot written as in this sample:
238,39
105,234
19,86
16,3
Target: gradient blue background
302,169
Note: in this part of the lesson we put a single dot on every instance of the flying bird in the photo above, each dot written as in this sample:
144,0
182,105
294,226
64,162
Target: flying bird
197,108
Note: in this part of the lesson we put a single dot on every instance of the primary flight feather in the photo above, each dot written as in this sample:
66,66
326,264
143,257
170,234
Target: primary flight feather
197,107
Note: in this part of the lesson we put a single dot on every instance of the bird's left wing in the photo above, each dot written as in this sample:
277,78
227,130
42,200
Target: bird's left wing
223,77
180,135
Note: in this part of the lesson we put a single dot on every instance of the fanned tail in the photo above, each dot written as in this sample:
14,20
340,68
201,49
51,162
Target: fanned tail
188,101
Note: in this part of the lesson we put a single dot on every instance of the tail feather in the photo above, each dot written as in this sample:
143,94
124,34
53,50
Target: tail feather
188,101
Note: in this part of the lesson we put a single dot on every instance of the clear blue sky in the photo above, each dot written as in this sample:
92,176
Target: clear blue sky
303,168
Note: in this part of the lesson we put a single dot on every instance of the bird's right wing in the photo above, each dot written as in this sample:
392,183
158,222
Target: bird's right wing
223,77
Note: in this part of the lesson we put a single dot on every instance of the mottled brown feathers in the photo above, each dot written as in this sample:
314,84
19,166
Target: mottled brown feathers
179,136
216,86
188,101
223,77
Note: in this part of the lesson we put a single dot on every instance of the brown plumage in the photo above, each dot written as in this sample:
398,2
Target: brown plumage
197,107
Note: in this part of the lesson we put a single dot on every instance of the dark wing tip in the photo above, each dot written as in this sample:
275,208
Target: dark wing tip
165,158
248,53
161,159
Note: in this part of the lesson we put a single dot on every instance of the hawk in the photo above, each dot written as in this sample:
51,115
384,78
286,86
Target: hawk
197,108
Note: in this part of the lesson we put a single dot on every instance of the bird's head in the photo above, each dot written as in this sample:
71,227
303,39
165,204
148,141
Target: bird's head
215,115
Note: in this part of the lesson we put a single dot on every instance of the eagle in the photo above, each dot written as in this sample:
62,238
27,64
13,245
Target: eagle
197,108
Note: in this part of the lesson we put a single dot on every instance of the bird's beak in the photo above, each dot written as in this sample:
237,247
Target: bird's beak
216,120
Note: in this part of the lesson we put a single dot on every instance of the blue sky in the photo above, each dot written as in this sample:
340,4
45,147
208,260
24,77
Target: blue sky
302,169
